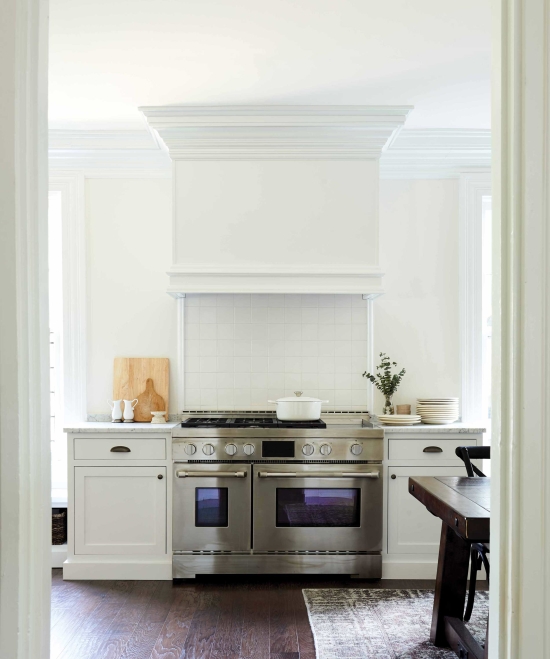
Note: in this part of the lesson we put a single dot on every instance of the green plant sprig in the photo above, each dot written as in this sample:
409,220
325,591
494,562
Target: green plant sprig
384,380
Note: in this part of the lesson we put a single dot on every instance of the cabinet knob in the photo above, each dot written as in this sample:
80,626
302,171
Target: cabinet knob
160,477
393,476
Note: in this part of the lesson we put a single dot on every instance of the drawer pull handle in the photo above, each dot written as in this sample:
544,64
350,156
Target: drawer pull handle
120,449
433,449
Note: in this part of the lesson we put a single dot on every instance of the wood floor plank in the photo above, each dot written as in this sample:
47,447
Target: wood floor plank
255,631
228,636
171,640
306,645
282,624
200,638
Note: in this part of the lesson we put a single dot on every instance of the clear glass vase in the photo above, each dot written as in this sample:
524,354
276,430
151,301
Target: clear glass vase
388,406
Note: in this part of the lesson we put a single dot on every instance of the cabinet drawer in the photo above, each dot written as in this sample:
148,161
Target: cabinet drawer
114,448
428,448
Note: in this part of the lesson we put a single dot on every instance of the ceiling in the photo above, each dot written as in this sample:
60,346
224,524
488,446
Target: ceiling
108,57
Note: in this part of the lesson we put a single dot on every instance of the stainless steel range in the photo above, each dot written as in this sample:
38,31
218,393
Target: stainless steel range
255,495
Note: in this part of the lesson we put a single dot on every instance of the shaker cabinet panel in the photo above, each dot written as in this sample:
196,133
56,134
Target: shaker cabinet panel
120,510
411,528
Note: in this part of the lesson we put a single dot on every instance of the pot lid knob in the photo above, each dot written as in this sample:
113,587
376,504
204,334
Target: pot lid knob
298,393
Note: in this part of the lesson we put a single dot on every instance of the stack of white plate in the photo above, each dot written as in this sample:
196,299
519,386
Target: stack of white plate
437,410
399,419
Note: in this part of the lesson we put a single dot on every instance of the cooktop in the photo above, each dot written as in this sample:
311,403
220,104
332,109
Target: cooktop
247,422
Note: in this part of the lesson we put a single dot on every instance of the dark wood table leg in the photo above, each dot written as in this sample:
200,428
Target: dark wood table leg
450,586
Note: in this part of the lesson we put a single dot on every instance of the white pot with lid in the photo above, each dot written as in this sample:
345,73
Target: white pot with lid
298,408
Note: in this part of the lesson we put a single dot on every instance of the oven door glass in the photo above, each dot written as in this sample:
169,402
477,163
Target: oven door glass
320,508
211,507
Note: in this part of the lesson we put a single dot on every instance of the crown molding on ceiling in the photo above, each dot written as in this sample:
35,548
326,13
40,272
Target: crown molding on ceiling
414,154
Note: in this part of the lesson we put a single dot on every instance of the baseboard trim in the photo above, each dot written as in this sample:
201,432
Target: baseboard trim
138,571
409,570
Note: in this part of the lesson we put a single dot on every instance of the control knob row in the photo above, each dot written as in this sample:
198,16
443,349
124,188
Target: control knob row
326,449
208,449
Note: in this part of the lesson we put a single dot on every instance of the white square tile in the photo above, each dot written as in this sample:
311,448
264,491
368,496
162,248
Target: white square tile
242,348
326,394
293,382
258,399
326,316
208,314
242,315
359,332
342,364
242,364
276,381
342,332
242,332
226,398
293,332
209,398
359,349
293,300
225,348
309,364
241,398
276,348
258,380
325,300
342,348
342,380
342,301
225,381
241,300
276,315
273,394
342,316
259,300
193,300
358,381
326,348
208,348
359,316
310,332
192,398
259,331
193,315
258,315
192,381
192,364
342,396
293,364
359,397
225,331
242,380
310,300
276,300
293,348
357,301
209,364
224,300
293,316
276,331
326,364
208,381
326,380
192,331
225,315
310,348
310,381
310,316
259,348
276,364
326,332
225,365
208,332
193,348
208,299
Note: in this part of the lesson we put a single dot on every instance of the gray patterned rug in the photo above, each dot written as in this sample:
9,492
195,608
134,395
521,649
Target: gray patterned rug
380,624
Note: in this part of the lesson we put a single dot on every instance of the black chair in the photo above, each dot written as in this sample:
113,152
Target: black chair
478,550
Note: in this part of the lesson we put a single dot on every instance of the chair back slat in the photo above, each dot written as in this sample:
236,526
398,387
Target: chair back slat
469,453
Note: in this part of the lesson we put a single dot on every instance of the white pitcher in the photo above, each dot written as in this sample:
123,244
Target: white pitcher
116,410
129,410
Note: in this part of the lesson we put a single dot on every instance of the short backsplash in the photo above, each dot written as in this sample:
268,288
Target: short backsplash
242,350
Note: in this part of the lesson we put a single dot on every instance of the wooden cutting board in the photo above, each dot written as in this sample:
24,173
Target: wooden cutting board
130,376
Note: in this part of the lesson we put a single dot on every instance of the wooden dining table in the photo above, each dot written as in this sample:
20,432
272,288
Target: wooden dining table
463,505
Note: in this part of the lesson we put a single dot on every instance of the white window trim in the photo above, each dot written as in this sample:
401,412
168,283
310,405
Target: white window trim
71,186
472,188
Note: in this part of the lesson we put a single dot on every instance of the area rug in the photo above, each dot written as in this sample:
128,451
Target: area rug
380,624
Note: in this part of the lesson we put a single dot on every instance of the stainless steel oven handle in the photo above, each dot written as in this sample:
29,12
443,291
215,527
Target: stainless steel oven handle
211,474
316,474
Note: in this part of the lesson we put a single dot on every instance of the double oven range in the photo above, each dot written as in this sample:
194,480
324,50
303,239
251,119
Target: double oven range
253,495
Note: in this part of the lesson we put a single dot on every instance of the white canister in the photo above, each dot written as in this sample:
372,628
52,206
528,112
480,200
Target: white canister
129,410
298,408
116,410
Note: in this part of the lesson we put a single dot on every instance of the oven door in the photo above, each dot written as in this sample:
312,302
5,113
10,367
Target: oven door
211,507
318,507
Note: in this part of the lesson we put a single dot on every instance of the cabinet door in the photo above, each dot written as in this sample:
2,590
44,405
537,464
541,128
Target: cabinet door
120,510
411,528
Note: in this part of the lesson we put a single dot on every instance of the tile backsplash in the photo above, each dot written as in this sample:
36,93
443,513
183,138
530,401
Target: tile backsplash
242,350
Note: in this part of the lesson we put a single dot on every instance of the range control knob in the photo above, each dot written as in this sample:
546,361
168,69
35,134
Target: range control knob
208,449
190,449
230,449
356,449
308,449
326,449
248,449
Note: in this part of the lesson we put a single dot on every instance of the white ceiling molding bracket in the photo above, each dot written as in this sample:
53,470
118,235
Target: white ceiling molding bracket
276,132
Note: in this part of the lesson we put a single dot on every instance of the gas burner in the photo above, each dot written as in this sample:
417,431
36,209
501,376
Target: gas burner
247,422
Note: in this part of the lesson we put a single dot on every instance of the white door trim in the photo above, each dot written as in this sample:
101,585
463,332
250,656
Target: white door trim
25,511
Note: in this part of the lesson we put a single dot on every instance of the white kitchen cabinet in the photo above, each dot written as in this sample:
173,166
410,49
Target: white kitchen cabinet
120,510
411,528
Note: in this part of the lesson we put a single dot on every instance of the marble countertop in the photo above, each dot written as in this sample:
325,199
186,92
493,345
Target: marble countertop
421,428
108,426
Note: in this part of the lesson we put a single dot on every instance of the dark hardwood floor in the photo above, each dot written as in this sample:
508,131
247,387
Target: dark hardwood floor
212,618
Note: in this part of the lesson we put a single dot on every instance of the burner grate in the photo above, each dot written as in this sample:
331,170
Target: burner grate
247,422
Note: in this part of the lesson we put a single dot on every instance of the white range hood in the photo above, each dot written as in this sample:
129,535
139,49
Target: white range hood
275,199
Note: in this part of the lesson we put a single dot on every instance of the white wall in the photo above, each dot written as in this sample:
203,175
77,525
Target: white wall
129,245
417,320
